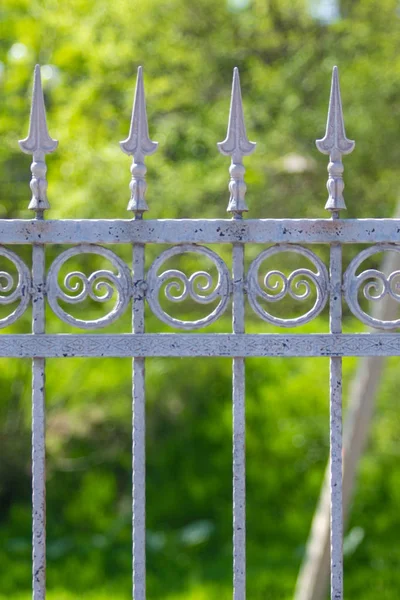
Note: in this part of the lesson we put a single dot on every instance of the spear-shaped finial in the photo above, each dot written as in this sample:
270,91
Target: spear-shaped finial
38,143
138,144
236,145
335,143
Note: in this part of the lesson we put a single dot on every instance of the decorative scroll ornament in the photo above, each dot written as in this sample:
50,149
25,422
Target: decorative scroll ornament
38,143
236,145
138,144
179,287
374,284
100,286
297,285
22,289
335,144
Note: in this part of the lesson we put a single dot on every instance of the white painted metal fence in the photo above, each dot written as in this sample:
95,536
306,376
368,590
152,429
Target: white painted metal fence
132,285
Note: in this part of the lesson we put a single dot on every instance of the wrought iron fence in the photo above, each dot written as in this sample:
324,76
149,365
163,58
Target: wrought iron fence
131,286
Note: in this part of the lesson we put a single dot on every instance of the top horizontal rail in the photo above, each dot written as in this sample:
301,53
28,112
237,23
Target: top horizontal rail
199,231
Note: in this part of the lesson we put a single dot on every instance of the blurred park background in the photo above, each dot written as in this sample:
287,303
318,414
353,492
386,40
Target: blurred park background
285,49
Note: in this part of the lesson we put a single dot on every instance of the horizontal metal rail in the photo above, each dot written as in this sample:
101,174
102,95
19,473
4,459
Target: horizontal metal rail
205,345
199,231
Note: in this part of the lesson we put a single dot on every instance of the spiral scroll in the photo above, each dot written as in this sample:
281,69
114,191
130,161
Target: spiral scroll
374,284
21,291
100,286
198,286
298,285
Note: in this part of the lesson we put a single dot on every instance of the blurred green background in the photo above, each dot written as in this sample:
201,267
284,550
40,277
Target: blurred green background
285,49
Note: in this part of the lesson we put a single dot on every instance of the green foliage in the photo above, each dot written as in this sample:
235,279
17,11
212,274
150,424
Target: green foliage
91,49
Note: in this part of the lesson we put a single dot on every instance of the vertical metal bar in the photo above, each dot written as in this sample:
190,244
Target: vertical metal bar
236,145
336,144
38,143
138,436
38,431
336,428
138,145
239,432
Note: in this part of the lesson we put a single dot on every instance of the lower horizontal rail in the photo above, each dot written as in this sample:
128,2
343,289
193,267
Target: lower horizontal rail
186,345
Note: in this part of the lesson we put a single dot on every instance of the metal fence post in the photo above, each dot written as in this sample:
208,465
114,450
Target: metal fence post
237,145
138,144
335,144
38,143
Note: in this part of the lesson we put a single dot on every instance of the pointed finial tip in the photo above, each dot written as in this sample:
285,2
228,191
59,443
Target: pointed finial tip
236,145
138,142
335,143
37,77
335,135
236,142
38,143
38,139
